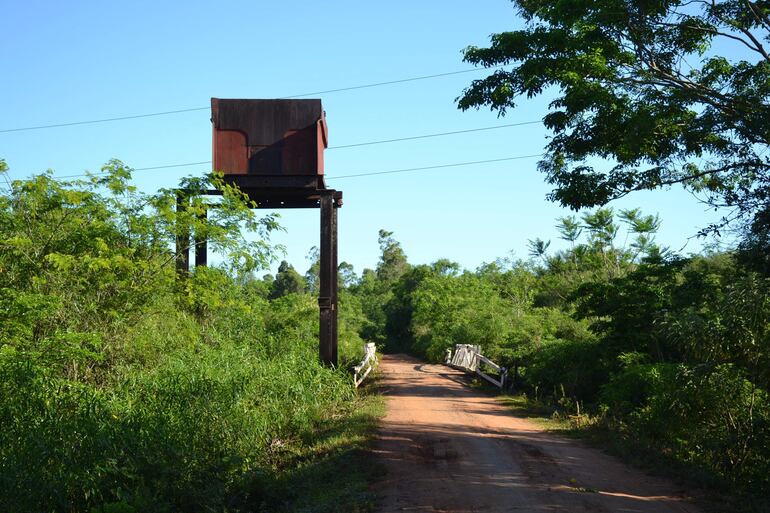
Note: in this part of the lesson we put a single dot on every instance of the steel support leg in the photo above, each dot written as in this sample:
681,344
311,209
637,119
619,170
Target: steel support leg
201,246
182,236
335,285
327,300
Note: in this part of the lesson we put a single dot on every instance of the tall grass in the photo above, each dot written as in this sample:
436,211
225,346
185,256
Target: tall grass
200,427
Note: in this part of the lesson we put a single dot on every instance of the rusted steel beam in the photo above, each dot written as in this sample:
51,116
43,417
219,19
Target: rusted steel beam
201,244
276,183
182,236
327,297
335,281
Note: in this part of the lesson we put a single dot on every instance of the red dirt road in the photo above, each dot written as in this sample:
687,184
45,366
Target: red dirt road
448,448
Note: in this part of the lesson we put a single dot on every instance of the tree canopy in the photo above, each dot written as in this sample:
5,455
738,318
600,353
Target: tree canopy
287,281
392,262
663,92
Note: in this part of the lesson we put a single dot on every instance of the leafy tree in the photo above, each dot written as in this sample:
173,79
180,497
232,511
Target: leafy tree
287,281
721,314
392,262
569,228
599,256
644,227
375,287
312,275
514,281
649,88
82,260
373,296
754,249
626,310
538,248
601,228
442,310
347,275
400,308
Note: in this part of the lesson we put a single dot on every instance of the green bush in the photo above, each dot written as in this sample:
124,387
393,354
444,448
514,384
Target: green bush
711,416
123,389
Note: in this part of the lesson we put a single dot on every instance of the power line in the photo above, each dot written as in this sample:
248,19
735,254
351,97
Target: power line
373,173
192,109
368,143
105,120
172,165
433,135
186,164
456,164
412,79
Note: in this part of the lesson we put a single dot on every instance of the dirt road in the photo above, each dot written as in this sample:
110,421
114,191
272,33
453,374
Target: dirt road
449,448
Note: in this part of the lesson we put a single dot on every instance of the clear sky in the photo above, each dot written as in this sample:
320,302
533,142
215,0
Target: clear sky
84,60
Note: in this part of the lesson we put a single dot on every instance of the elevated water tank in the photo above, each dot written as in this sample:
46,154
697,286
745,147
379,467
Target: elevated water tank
270,143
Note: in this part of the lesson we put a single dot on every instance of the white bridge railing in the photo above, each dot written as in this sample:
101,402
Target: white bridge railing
363,369
468,358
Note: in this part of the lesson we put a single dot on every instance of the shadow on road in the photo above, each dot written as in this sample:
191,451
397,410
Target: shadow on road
450,448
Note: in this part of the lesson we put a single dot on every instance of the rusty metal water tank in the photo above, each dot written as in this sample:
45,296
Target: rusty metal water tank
270,143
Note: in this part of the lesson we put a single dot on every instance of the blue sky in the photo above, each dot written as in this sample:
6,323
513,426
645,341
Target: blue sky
73,61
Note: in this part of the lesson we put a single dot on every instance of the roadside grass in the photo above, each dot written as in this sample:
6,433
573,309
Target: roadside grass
538,412
334,473
709,492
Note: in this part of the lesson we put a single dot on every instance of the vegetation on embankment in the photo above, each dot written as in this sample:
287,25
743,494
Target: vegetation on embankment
124,390
669,353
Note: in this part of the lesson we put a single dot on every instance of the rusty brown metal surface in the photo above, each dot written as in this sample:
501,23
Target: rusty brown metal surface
269,138
328,282
201,244
182,235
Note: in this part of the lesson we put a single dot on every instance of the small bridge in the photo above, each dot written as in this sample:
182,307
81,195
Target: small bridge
468,358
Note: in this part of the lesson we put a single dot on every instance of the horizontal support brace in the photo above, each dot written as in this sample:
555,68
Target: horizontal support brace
276,198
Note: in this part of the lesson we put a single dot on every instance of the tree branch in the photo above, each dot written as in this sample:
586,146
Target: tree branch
758,48
761,18
674,181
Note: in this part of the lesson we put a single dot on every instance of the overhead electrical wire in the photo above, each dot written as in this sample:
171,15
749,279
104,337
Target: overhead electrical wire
440,166
426,136
371,173
192,109
389,82
166,166
105,120
368,143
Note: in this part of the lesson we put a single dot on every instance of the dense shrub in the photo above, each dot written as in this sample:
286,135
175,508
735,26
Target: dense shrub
123,389
708,415
179,436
